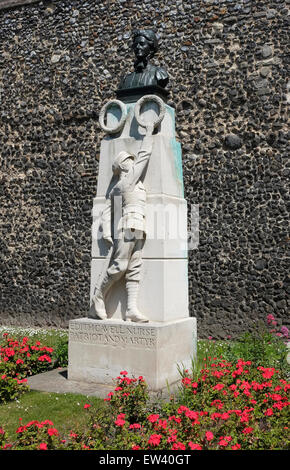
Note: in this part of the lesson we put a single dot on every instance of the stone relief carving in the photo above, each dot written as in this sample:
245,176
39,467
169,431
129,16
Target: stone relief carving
123,218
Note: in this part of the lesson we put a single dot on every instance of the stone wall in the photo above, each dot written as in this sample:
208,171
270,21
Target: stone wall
227,61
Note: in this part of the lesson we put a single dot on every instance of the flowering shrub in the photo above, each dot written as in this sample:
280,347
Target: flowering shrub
19,359
11,388
265,346
130,397
238,404
37,435
22,358
230,406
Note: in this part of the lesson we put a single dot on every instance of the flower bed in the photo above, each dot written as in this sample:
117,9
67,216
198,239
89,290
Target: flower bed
224,403
19,359
229,406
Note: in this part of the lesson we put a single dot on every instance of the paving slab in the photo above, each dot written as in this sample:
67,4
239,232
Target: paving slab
56,381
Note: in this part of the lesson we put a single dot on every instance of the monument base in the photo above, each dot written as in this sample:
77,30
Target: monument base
100,350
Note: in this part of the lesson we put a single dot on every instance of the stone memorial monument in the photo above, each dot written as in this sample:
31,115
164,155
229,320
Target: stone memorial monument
138,318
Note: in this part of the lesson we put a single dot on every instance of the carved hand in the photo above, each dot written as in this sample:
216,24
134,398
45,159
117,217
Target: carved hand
149,128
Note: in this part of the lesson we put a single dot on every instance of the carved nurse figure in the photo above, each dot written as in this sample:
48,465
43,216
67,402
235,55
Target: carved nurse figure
125,207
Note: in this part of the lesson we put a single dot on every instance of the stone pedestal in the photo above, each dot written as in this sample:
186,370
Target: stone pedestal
100,350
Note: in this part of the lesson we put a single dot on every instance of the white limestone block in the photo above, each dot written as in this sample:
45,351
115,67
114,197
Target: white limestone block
100,350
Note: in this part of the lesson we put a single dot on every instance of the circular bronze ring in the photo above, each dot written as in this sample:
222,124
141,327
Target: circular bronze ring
146,99
120,124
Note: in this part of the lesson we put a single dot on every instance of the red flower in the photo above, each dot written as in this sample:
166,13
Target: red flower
52,432
181,409
218,387
193,446
87,406
268,412
153,418
120,421
21,429
154,439
209,436
42,446
223,443
178,446
236,447
248,430
46,422
192,414
186,381
124,372
44,358
135,426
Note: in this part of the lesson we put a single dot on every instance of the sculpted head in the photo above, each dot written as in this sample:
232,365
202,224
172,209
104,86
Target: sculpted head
145,44
122,163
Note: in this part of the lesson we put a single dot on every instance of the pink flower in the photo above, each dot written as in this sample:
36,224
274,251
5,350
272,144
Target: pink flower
43,446
270,318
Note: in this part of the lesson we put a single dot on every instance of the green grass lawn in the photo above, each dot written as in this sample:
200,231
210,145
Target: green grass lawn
66,411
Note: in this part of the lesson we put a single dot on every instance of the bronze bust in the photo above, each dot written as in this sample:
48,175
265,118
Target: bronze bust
145,75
